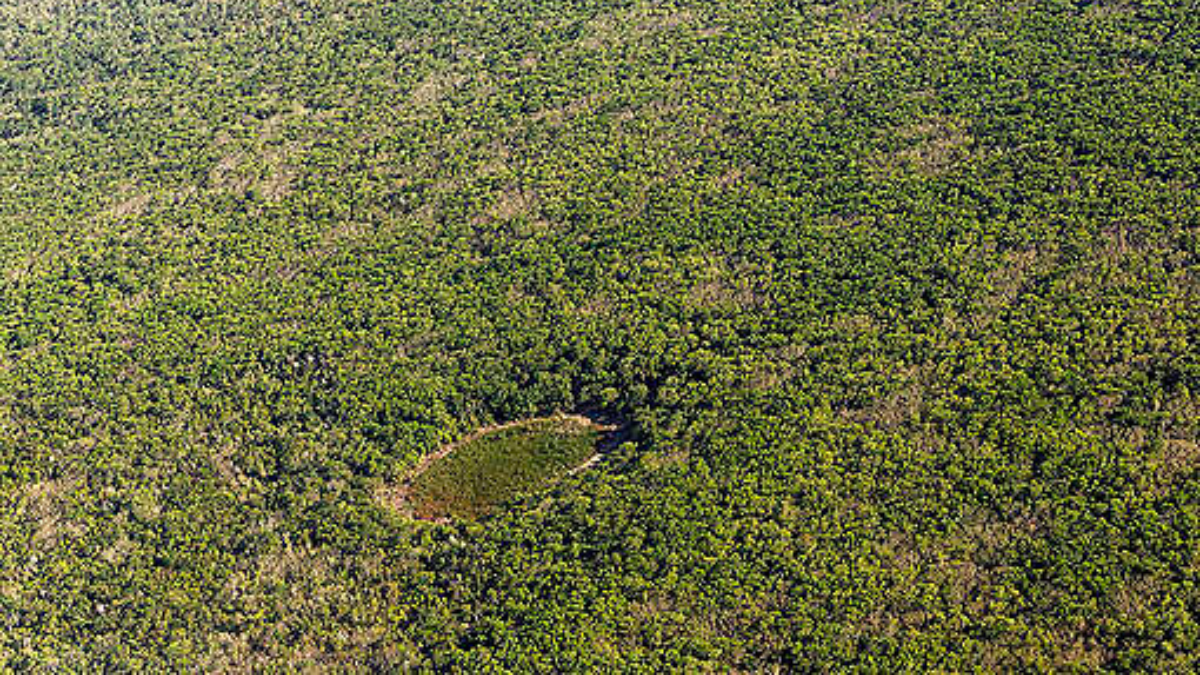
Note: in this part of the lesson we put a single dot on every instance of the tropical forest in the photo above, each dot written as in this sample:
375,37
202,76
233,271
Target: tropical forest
558,336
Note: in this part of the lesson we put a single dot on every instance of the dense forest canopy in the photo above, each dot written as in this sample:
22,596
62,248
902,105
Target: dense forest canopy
898,301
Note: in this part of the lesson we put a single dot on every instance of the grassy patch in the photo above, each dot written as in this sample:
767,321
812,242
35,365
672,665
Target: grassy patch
471,478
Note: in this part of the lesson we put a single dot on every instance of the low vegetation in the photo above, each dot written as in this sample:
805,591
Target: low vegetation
470,478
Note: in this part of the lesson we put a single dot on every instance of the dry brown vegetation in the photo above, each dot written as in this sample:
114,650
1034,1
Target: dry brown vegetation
929,147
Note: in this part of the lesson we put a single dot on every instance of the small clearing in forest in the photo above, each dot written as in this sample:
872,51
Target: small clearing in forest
469,478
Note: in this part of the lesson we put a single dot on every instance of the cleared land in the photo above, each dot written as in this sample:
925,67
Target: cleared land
469,478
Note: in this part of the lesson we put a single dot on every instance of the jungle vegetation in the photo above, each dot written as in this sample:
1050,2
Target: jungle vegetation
898,301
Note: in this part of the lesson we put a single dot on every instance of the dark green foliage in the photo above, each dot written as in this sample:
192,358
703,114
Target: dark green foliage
901,300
